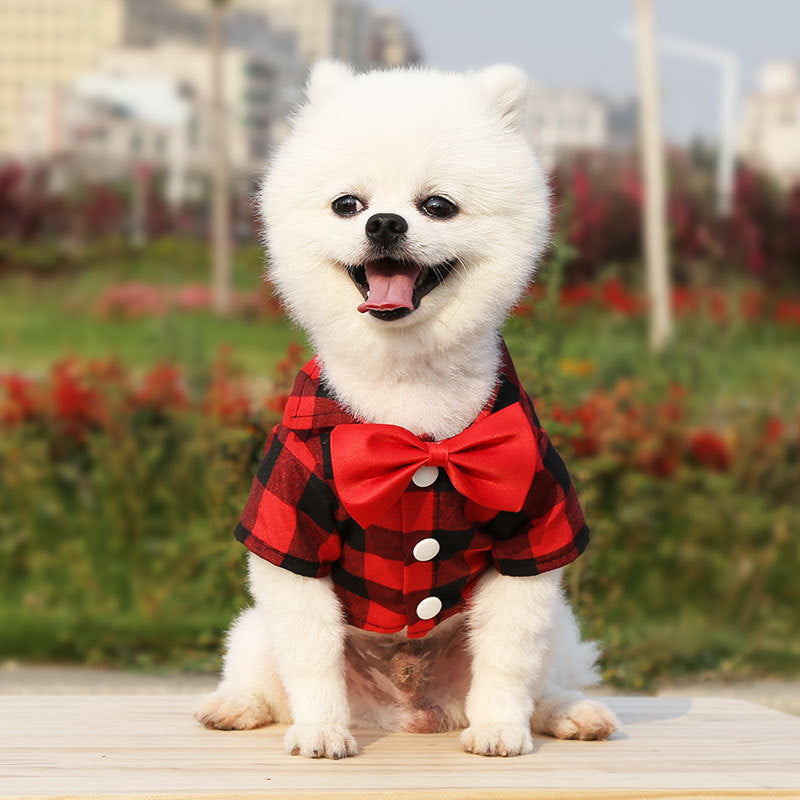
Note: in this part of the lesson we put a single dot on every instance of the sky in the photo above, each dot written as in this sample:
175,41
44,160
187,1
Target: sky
577,43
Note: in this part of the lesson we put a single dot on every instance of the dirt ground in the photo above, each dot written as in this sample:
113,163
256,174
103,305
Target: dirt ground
21,678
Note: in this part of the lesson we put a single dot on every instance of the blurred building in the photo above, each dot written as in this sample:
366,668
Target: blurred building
251,87
47,43
113,123
115,116
48,46
564,122
391,42
769,134
347,30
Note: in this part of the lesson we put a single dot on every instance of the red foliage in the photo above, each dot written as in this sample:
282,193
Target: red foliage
227,397
598,208
162,388
132,300
576,295
684,300
285,373
103,210
193,297
708,449
788,311
617,298
27,209
76,403
775,430
717,305
625,432
616,427
136,299
22,400
599,214
752,304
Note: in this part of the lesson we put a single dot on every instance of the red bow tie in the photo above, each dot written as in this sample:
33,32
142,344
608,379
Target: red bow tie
492,463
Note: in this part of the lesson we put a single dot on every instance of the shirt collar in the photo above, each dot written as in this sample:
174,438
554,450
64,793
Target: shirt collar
312,406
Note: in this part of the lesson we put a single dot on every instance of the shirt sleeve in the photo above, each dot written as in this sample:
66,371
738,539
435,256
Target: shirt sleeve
550,530
289,517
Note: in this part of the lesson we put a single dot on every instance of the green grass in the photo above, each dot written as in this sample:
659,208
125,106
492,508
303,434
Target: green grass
725,368
40,324
45,320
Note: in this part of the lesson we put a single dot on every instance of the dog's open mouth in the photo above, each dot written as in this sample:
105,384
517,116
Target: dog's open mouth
393,289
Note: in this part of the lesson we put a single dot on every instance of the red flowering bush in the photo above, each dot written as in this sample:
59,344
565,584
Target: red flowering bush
79,398
136,299
577,294
617,426
19,399
788,311
132,300
227,397
750,305
598,208
162,388
710,450
623,431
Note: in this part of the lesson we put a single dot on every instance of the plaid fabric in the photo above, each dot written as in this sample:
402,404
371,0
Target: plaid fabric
293,519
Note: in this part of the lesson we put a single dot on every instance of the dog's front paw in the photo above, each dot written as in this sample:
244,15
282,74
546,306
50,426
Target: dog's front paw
497,739
320,741
567,718
226,711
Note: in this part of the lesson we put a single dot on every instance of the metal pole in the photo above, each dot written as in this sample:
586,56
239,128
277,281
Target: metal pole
726,160
220,223
728,66
652,160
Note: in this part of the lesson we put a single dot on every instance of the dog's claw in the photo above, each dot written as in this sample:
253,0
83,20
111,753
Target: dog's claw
577,719
226,711
497,739
320,741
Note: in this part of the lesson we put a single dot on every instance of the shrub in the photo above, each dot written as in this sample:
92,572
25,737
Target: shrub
118,495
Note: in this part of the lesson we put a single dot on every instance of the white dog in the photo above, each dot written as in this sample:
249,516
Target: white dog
404,215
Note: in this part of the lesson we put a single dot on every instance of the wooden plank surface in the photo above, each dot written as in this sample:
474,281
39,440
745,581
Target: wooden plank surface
149,746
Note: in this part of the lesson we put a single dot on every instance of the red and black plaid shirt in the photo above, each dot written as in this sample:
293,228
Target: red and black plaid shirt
293,518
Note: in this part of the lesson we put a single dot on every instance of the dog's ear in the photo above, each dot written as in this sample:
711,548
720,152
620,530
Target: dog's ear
324,77
507,89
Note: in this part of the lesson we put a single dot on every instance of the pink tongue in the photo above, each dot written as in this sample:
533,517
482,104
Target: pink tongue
391,285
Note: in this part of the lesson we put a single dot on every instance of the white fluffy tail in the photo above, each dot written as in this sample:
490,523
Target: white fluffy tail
574,664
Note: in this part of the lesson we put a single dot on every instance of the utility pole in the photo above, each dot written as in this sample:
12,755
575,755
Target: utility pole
652,161
220,193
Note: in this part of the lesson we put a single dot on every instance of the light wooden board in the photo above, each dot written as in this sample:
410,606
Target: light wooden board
148,746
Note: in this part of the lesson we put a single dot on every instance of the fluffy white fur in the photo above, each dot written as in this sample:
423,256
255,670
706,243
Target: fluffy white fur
512,663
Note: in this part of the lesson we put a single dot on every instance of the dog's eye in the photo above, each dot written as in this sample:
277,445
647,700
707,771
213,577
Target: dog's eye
439,207
347,205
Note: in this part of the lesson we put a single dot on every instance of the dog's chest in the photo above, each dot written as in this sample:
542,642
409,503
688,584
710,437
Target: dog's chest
433,405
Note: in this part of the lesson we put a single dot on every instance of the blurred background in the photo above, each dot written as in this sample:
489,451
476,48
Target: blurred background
143,357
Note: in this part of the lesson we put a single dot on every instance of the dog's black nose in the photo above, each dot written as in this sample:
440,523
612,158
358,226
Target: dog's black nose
386,229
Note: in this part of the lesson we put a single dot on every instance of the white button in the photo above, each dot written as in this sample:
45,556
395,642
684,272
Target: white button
429,607
426,549
425,476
